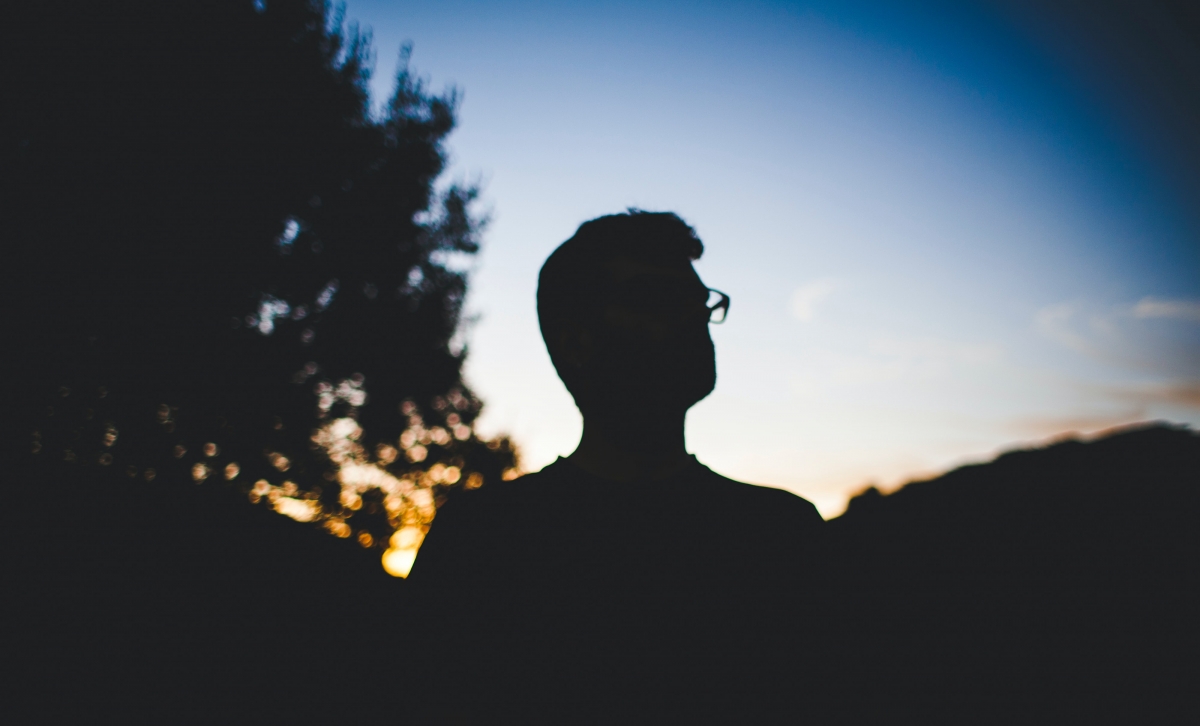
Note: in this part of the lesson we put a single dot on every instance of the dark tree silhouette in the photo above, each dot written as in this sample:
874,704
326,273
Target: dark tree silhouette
221,266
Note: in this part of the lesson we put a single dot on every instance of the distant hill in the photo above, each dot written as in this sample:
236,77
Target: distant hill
1128,501
1060,580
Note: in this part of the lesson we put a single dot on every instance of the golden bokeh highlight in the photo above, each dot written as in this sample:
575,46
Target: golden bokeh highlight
401,553
301,510
383,496
409,500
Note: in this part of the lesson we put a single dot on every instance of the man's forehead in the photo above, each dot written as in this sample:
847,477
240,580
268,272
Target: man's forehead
623,268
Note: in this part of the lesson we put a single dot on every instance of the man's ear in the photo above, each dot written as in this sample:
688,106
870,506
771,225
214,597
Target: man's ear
575,346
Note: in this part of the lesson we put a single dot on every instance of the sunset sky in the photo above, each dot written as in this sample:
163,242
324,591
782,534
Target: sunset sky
944,233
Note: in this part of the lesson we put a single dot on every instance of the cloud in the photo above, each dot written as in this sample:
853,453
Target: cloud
1130,405
1124,337
805,298
1041,427
1055,322
1178,393
1152,307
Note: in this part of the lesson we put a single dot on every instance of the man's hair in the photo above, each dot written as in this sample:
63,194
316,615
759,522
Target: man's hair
575,278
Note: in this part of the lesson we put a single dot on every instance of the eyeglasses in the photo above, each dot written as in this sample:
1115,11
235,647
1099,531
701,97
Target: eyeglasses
718,306
678,297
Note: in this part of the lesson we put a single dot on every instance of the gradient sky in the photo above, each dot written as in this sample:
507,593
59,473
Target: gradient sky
942,236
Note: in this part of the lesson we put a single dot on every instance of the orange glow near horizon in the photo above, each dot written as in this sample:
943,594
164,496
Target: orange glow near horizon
409,499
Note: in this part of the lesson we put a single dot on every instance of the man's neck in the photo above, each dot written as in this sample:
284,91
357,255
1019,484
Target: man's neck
644,450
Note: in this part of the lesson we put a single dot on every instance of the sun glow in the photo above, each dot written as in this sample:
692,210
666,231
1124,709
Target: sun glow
381,494
408,494
408,500
398,559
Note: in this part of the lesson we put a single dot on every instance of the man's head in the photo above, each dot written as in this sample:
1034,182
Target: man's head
624,315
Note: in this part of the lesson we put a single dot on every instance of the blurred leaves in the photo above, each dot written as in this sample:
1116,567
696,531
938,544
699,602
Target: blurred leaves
212,241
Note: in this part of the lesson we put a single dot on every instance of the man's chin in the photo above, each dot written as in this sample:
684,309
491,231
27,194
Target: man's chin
667,398
696,396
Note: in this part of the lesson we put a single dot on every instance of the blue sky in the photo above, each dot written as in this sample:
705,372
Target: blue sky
940,241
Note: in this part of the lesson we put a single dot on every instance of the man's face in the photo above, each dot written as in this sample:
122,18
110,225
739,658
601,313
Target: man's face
651,344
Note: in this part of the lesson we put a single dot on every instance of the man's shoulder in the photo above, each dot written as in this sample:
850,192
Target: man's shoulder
552,489
518,492
771,501
473,537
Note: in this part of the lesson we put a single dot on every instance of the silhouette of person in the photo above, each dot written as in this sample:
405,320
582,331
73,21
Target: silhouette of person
626,321
627,580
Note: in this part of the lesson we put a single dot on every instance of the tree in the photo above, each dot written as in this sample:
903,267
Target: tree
225,269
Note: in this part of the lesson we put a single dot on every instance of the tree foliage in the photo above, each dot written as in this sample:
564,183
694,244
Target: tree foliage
222,266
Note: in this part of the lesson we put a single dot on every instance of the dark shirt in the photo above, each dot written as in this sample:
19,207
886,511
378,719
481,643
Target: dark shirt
605,601
565,528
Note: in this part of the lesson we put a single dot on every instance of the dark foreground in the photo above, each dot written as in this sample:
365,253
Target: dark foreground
1046,586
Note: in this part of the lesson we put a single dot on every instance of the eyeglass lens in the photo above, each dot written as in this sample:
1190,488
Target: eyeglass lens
718,306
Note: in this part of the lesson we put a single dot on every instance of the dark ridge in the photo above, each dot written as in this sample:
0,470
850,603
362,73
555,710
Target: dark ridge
1059,580
1119,501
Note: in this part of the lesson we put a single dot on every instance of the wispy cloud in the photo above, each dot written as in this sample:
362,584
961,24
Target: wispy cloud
1103,407
1056,323
1179,393
1042,427
1123,336
805,298
1152,307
